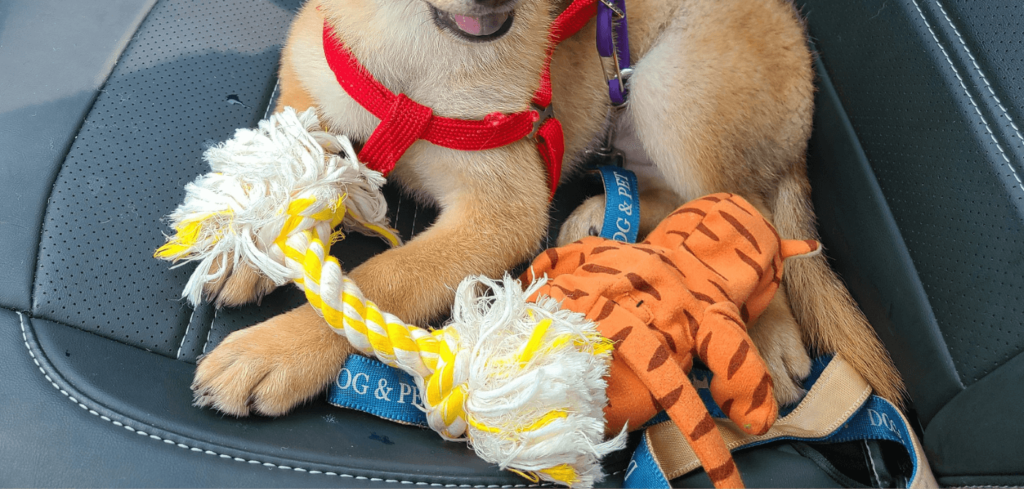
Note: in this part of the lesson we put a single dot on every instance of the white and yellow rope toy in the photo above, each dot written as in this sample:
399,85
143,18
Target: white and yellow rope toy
523,383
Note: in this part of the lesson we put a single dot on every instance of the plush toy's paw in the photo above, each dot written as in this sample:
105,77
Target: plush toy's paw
777,337
239,285
271,367
586,220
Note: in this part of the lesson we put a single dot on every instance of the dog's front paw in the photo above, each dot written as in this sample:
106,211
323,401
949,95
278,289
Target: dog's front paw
777,337
271,367
240,284
788,366
586,220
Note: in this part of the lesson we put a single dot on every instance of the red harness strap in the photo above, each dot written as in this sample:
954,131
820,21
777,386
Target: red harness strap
403,121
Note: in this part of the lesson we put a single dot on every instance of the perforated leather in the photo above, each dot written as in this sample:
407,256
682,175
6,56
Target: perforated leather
165,101
991,31
933,93
53,68
948,171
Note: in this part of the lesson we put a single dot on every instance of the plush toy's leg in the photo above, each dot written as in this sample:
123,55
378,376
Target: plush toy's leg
741,384
696,424
647,355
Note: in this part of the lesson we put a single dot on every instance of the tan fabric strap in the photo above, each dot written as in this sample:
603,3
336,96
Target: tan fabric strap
838,393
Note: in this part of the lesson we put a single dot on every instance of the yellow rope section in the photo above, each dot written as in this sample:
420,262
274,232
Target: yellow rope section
304,244
376,333
370,330
536,382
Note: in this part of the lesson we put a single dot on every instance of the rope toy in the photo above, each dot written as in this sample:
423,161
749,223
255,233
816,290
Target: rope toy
522,382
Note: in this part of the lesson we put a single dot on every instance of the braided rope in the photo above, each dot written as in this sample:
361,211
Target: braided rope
522,382
434,359
428,356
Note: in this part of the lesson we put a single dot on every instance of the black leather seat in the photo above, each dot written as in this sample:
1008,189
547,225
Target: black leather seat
106,107
916,169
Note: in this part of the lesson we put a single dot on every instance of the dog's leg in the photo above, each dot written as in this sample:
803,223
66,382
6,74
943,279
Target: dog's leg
241,284
779,338
830,318
780,343
711,118
271,367
487,225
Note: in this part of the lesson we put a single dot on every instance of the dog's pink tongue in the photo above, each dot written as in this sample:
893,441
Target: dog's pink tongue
480,26
469,25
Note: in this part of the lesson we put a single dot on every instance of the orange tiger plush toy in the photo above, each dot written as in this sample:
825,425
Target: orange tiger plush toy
687,290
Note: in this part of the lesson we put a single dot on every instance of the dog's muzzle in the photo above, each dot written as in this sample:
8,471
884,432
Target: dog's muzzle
477,28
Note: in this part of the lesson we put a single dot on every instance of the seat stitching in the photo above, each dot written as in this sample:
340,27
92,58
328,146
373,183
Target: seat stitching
970,98
871,462
273,94
209,331
977,68
177,356
24,337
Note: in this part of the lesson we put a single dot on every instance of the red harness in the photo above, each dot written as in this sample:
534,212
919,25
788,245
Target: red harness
403,121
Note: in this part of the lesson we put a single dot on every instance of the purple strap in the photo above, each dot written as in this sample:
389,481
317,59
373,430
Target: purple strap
607,45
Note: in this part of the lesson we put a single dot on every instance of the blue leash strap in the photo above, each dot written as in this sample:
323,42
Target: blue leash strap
621,204
643,470
370,386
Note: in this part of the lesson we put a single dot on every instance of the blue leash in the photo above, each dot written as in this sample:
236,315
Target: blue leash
621,204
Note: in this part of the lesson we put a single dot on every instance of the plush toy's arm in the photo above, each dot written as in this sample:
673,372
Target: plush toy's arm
741,385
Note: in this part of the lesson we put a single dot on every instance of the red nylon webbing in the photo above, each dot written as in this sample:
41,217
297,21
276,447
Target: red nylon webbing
403,121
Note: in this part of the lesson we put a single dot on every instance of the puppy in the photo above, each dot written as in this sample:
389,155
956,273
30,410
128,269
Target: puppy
720,100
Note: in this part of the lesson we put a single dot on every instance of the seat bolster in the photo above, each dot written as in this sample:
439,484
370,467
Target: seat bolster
53,67
983,419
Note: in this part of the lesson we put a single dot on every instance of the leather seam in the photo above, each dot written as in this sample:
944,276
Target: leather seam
209,331
967,92
273,98
871,462
977,68
177,356
90,410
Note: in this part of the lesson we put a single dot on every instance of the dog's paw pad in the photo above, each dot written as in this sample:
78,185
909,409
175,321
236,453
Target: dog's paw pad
269,368
586,220
239,285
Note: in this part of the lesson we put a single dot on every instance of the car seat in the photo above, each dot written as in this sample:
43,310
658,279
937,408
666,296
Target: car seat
107,105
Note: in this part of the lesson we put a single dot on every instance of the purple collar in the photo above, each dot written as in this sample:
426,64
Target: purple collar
611,15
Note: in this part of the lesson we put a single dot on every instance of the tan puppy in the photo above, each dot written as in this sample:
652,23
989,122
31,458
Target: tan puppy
720,100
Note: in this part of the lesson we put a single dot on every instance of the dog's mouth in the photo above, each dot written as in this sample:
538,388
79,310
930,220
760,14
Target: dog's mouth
476,28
